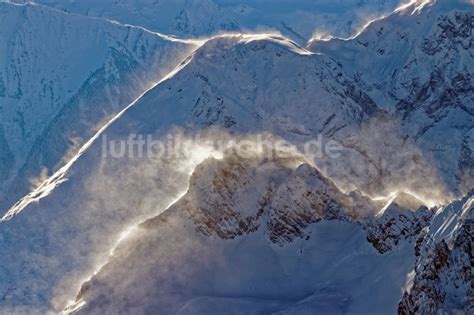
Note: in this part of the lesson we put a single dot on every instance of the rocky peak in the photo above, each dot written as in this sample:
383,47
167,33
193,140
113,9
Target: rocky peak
397,223
227,197
303,198
443,269
237,196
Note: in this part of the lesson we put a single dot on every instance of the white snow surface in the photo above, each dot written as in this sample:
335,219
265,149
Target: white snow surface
299,20
333,268
61,77
86,213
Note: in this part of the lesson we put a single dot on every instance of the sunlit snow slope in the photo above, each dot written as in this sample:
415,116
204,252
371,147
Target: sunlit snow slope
300,234
61,77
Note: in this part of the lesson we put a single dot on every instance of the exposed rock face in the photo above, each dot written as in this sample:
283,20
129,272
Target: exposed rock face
235,205
443,271
453,31
243,215
444,277
291,236
228,197
417,63
235,196
303,198
397,224
242,220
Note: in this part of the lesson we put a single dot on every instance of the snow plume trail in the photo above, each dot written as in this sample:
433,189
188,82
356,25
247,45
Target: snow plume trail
417,5
105,189
75,305
163,36
195,151
47,186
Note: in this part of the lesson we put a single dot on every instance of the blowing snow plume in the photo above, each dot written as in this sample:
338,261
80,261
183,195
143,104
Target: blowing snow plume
123,192
379,161
92,211
261,206
126,188
131,184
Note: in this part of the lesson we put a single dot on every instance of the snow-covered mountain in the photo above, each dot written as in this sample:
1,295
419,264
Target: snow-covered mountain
442,278
210,232
232,245
277,251
200,95
61,77
190,18
417,63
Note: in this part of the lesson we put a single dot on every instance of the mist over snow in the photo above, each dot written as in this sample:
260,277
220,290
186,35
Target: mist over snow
236,157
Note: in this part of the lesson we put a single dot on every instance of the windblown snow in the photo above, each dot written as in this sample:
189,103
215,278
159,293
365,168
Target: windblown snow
382,228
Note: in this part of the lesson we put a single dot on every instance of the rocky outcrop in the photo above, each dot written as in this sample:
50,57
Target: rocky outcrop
236,196
247,228
443,280
453,30
248,215
423,76
443,271
397,224
227,198
303,198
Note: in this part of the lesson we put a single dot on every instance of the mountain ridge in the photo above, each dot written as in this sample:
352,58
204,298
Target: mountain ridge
231,87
